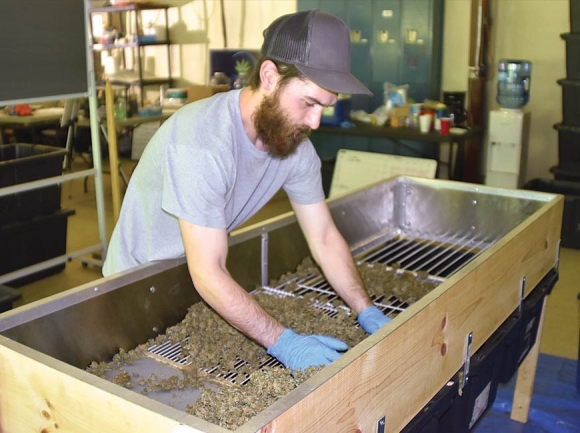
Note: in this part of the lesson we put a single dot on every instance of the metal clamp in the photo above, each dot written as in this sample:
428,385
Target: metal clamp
464,374
381,424
264,259
522,294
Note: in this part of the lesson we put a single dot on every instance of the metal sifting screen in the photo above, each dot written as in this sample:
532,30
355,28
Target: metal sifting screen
431,259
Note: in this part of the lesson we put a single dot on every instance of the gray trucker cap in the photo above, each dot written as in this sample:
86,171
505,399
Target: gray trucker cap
318,44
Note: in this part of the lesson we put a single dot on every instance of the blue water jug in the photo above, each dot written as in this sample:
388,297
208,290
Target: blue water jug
513,83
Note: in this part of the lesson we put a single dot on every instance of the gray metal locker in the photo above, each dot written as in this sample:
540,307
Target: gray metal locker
395,41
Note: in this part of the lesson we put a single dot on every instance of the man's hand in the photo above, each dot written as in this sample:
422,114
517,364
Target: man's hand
372,319
298,351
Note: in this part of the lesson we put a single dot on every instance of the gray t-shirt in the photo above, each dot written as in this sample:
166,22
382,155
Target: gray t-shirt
200,166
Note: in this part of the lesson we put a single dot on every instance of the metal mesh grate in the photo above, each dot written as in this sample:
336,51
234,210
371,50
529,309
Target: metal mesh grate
433,259
439,258
171,354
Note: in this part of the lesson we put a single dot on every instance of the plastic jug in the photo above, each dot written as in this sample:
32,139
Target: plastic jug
121,109
513,83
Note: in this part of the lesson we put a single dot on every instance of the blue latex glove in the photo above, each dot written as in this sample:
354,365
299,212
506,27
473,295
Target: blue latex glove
372,319
298,351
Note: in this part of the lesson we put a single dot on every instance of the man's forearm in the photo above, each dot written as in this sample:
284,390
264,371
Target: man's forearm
206,251
340,271
238,308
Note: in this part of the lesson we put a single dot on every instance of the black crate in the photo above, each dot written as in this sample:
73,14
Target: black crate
522,328
495,362
33,241
567,175
22,163
571,219
568,146
509,362
572,55
480,391
7,296
570,102
429,419
575,16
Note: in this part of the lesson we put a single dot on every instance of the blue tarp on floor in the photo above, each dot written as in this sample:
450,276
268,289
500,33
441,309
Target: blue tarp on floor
555,404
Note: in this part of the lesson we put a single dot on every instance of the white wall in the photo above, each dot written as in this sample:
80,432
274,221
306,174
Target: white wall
522,29
196,26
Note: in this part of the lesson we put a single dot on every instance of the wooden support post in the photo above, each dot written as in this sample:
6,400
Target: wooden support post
526,376
113,150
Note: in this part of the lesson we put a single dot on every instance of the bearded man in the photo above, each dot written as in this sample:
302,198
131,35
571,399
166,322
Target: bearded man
216,162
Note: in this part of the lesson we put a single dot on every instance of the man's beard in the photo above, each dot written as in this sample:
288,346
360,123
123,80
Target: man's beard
278,134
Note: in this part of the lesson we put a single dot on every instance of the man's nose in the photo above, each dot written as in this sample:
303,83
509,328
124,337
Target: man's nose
313,117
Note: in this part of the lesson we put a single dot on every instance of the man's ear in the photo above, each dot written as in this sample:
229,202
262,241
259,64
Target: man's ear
269,75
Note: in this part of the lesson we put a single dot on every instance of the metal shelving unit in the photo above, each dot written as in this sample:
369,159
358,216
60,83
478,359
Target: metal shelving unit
129,19
96,172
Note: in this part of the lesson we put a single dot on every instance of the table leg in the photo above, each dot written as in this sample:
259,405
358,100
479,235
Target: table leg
113,150
526,376
452,160
459,159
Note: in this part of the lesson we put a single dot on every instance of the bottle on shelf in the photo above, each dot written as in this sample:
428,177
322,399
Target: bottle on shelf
120,108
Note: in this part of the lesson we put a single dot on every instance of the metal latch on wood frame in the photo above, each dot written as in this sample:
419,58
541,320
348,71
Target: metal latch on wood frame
264,259
381,424
522,294
464,374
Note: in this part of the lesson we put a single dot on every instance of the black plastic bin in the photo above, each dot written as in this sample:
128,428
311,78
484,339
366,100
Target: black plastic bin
522,328
575,16
568,146
22,163
429,419
480,391
571,218
33,241
495,362
7,297
513,345
571,103
572,55
568,175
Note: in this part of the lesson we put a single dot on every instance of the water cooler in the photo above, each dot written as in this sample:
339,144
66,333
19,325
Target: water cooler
509,127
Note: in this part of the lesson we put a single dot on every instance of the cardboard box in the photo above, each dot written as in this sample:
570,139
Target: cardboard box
195,93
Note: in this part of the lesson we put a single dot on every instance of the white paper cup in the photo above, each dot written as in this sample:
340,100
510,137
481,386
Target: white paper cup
425,123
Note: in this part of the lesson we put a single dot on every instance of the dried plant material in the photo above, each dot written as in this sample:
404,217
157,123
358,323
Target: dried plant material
235,364
123,379
232,407
381,281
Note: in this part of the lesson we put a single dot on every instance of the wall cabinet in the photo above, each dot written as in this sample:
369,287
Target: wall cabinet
129,45
394,41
